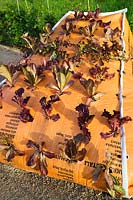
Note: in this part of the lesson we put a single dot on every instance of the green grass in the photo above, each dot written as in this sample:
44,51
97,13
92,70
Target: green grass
19,16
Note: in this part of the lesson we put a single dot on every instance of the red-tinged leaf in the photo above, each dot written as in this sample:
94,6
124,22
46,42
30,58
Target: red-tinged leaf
43,101
84,117
114,123
49,154
31,144
43,169
38,158
10,154
47,107
79,14
109,76
87,135
54,98
18,152
33,159
70,149
82,137
103,24
77,75
52,86
69,84
43,164
106,114
107,134
92,27
97,12
25,101
19,92
19,99
125,120
25,115
55,117
89,85
81,154
83,82
112,34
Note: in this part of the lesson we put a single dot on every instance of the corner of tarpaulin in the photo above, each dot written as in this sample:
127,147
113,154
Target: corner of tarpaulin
64,16
123,139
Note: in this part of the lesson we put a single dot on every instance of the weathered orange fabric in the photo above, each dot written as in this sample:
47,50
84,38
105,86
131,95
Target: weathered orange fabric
54,133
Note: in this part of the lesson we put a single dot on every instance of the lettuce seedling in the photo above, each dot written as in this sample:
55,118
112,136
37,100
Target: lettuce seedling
91,89
115,123
89,30
68,27
80,15
112,34
47,107
10,73
100,73
74,149
32,75
11,150
113,185
84,117
25,115
18,98
62,76
45,36
38,159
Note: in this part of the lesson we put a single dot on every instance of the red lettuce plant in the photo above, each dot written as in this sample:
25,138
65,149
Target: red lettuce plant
91,88
47,107
80,15
38,159
33,75
11,150
115,123
100,73
74,149
10,72
84,117
62,76
113,185
68,27
18,98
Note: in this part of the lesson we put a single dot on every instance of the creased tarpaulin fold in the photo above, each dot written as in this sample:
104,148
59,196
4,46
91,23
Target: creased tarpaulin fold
55,133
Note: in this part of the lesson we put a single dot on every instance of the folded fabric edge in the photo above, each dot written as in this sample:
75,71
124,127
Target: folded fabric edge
101,14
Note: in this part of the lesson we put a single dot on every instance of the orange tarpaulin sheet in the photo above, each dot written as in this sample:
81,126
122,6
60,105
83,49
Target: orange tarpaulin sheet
55,133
